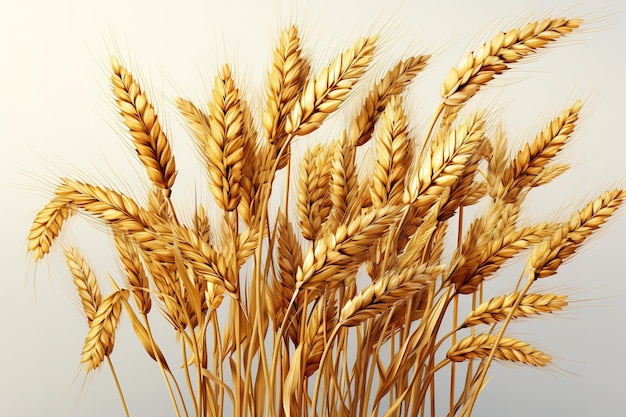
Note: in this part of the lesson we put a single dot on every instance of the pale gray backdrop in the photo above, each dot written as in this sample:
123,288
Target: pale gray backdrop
57,118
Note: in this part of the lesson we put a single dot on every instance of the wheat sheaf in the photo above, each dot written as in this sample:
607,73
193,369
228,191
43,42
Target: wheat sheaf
267,303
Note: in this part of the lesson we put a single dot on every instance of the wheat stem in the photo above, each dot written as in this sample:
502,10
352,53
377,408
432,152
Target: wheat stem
117,385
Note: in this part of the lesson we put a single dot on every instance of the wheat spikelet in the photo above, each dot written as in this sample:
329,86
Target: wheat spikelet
393,156
498,308
510,349
100,339
547,256
225,147
158,205
135,271
531,160
314,203
285,80
214,295
494,57
323,94
392,84
338,255
143,124
47,226
85,282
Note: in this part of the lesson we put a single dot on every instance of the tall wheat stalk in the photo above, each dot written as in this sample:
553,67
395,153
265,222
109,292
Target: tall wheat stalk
295,315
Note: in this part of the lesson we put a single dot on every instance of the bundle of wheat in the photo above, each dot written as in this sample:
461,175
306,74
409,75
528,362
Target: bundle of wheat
294,315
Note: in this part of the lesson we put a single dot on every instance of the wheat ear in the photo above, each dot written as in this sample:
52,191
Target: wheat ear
323,94
85,282
392,84
532,159
393,156
494,57
135,271
285,80
143,124
314,203
47,226
100,339
339,254
547,256
498,308
509,349
225,147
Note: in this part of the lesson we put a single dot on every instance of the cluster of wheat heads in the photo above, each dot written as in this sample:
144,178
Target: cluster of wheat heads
296,311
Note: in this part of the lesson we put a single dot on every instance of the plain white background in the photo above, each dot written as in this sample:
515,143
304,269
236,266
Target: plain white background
57,118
